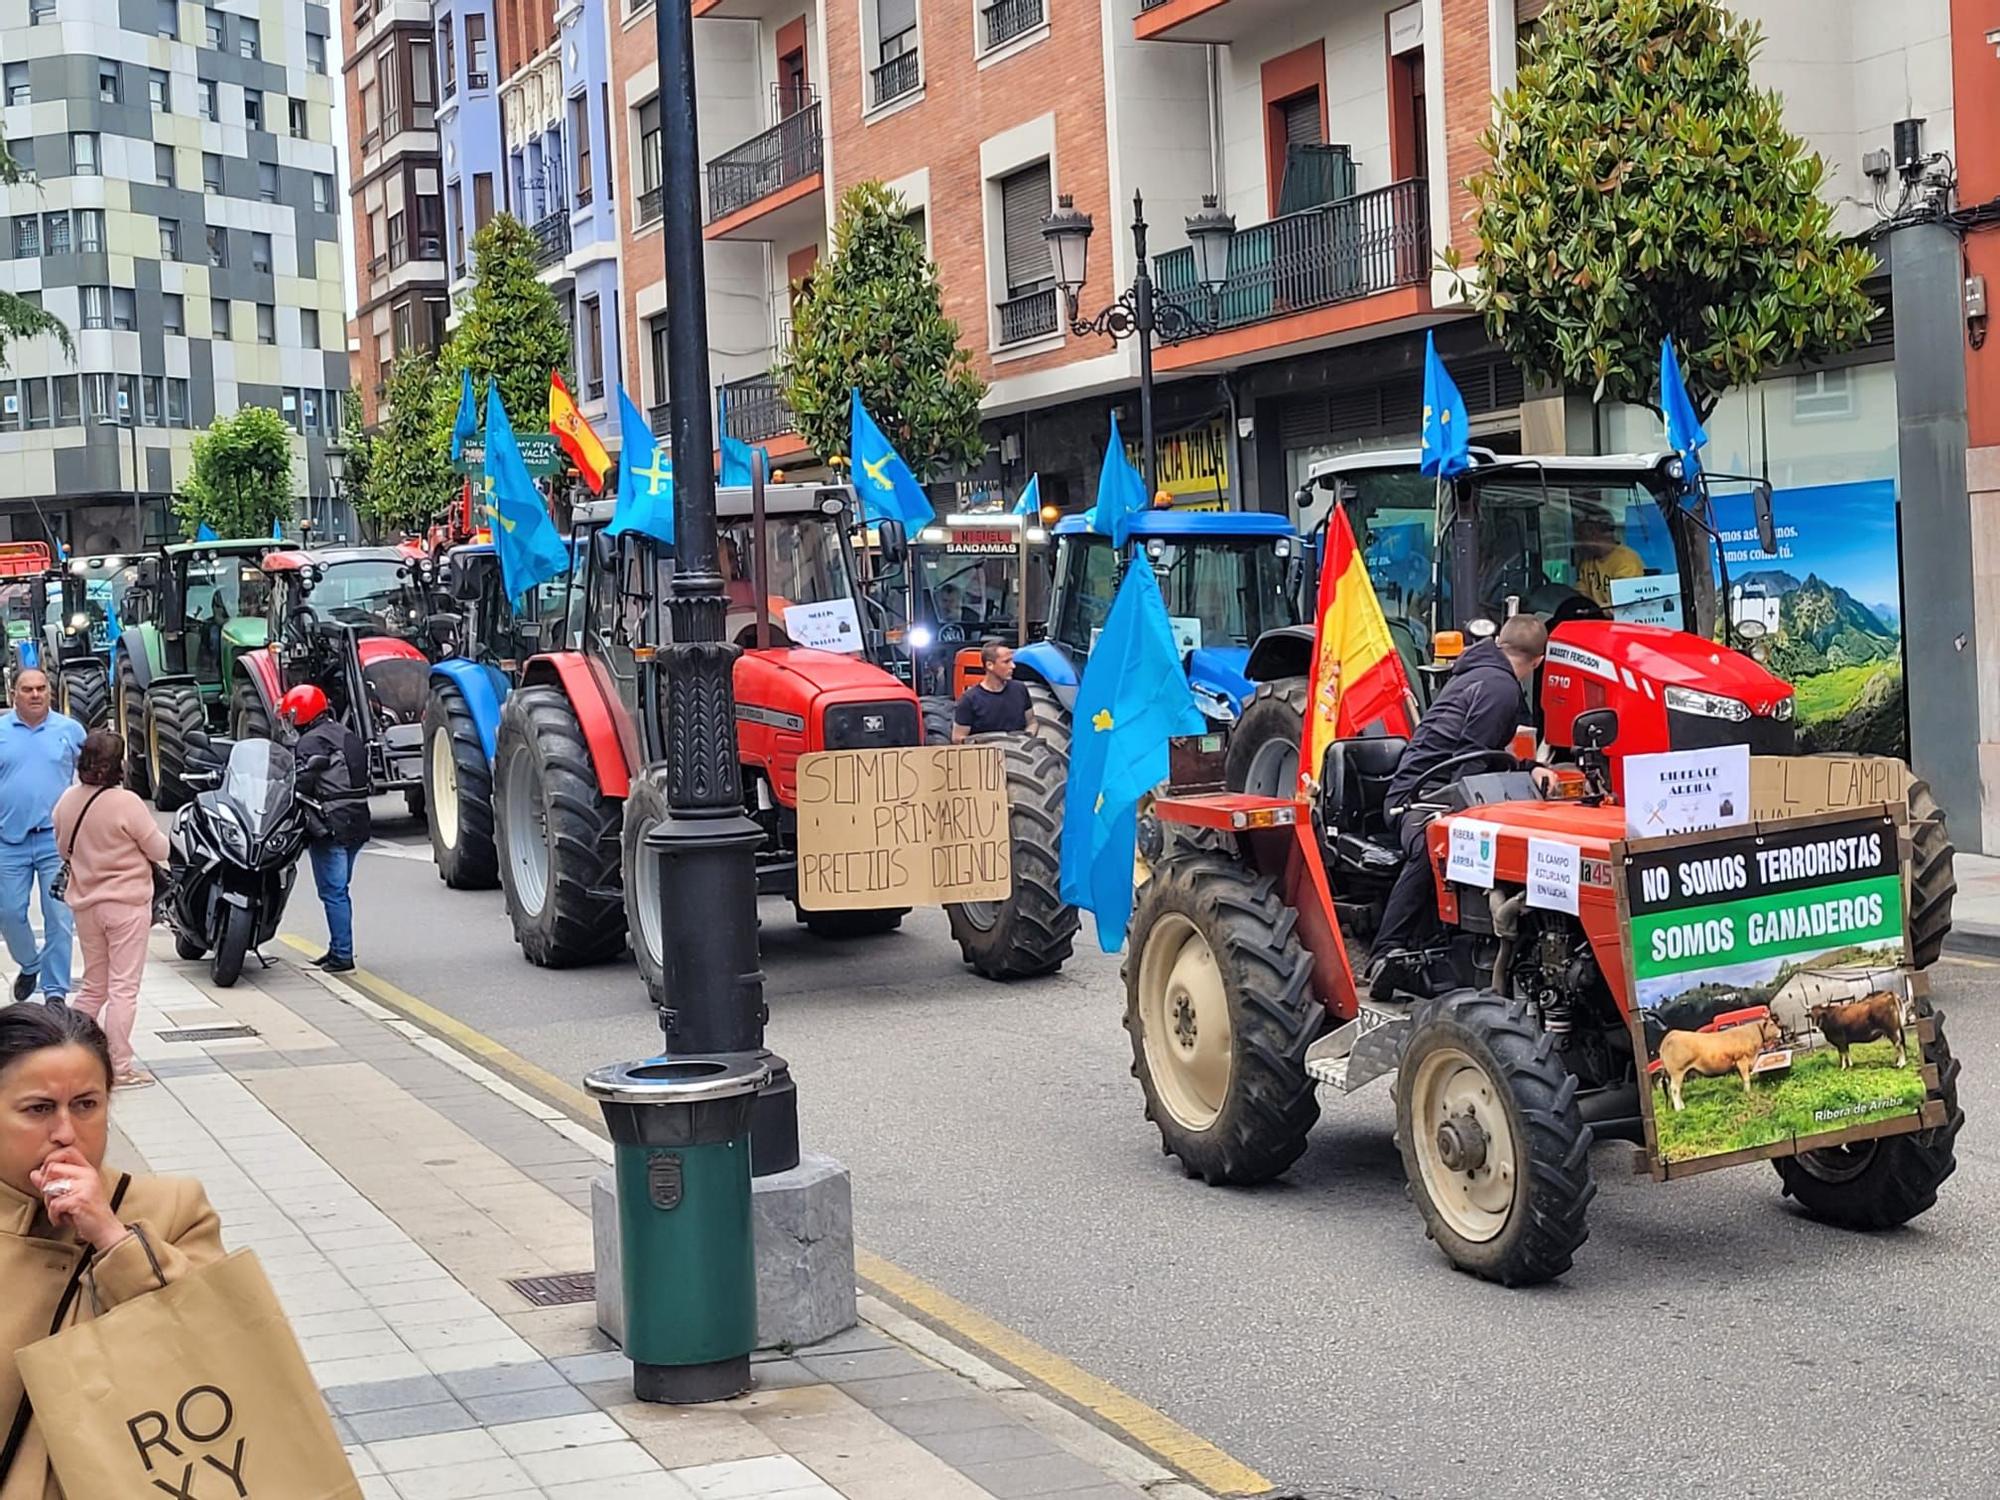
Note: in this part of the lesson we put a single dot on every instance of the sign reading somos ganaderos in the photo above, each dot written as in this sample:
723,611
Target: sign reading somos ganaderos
1770,988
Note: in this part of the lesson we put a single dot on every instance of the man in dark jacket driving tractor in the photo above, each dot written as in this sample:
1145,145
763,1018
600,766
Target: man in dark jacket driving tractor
1479,708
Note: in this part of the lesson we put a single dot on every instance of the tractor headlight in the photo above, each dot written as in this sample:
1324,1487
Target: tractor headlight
79,623
1675,470
919,638
1707,705
1783,709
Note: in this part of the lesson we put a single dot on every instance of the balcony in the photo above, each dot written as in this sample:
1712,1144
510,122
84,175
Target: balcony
776,167
551,233
893,79
1309,268
652,206
448,84
753,410
1004,20
1027,315
1217,21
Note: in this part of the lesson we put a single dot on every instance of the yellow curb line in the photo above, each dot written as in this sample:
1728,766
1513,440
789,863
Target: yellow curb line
1970,963
1203,1462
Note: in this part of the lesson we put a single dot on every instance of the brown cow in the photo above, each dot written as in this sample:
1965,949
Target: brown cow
1713,1053
1869,1020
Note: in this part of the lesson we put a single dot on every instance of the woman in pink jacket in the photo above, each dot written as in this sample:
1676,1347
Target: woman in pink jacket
112,843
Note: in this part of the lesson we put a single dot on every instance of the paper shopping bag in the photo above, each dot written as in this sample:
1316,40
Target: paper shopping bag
198,1390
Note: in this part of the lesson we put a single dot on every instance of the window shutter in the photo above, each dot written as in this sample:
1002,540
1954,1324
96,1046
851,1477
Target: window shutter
893,17
1024,203
1302,119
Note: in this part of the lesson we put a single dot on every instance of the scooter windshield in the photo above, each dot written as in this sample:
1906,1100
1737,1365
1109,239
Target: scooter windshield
258,783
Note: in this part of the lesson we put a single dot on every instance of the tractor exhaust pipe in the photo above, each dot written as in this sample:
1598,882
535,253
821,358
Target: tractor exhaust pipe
1506,927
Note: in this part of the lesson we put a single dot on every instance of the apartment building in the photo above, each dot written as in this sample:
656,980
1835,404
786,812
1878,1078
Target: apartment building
182,223
468,121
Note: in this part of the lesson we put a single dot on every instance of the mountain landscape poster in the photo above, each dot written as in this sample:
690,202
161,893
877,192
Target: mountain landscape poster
1830,602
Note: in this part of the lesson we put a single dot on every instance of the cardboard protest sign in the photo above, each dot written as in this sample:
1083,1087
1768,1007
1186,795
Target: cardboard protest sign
1796,786
920,826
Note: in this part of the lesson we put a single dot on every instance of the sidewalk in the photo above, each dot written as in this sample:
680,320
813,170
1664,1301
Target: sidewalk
1975,911
394,1190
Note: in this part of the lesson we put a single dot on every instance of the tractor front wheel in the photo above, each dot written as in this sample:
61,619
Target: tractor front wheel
248,719
1263,756
1497,1155
86,693
128,706
937,714
1932,882
1032,931
558,835
1047,717
460,786
1220,1012
645,810
173,712
1888,1181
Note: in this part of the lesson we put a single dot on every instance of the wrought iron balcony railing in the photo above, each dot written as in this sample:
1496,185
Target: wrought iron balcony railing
894,78
1007,19
753,409
1028,315
652,206
552,237
788,152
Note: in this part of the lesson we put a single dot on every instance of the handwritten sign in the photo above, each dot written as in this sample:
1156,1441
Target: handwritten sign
920,826
1797,786
829,626
1553,871
1687,791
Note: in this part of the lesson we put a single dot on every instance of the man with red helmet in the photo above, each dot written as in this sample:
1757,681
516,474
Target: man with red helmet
333,771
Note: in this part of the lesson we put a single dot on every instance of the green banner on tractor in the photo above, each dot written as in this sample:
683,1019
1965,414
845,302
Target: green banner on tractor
539,451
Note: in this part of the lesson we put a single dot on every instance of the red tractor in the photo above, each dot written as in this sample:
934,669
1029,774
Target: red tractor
573,793
355,621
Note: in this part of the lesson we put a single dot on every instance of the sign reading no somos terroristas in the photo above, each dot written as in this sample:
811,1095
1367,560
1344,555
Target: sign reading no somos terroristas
920,826
540,451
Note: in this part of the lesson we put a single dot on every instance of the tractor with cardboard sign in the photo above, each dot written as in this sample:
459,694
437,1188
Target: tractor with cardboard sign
1619,555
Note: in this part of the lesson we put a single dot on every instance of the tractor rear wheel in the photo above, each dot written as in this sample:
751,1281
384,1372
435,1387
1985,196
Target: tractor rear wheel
248,719
1932,883
645,810
558,835
1497,1155
1047,717
937,719
86,693
460,784
1220,1013
1882,1183
1263,757
128,714
173,712
1032,931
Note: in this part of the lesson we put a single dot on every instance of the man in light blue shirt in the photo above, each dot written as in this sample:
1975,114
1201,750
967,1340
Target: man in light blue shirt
38,752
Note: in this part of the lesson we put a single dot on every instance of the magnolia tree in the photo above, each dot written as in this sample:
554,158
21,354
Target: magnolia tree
240,484
409,482
509,327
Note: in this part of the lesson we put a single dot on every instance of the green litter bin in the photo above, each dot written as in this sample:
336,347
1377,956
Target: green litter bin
681,1126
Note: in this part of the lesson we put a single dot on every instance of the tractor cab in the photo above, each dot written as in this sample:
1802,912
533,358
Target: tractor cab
959,582
484,625
80,633
22,605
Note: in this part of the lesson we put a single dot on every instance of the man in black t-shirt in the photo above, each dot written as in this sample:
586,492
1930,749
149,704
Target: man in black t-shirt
996,704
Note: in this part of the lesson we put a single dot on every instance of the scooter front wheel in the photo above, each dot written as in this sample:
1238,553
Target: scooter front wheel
232,946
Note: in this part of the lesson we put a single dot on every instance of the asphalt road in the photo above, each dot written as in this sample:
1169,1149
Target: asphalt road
1710,1341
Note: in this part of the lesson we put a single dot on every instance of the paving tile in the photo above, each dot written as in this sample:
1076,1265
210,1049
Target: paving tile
661,1486
597,1461
503,1380
481,1480
547,1435
957,1413
746,1478
397,1422
1047,1474
586,1368
521,1406
895,1391
336,1372
869,1364
980,1445
847,1341
434,1449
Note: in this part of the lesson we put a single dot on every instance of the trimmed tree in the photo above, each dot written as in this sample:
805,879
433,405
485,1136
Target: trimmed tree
410,483
240,483
509,327
873,317
20,318
1642,187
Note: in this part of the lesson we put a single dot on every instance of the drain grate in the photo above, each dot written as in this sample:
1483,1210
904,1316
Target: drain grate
557,1291
208,1034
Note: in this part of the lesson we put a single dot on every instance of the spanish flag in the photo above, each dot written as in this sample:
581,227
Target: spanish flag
579,440
1357,677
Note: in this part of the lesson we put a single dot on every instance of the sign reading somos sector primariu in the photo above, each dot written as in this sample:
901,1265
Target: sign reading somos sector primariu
1770,989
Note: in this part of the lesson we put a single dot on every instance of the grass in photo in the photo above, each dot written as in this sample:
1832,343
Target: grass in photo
1815,1096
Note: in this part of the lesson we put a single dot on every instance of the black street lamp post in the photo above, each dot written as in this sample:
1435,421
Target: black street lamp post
706,845
1138,311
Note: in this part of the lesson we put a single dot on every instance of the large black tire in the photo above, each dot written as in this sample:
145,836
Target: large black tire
1932,881
1214,955
248,718
645,810
413,802
1263,755
839,925
1882,1183
1496,1041
937,719
187,947
86,693
1033,930
232,945
128,717
558,835
173,712
1047,717
459,814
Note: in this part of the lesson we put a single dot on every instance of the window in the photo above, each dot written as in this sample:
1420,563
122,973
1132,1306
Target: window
249,40
211,172
309,410
163,165
69,401
1822,396
218,246
97,397
23,152
423,86
205,99
40,11
109,89
27,237
159,91
296,111
267,181
656,343
388,88
404,318
267,323
288,408
253,109
447,56
167,19
893,72
18,89
170,239
590,358
454,223
152,393
1024,203
218,318
90,230
579,129
55,234
260,252
173,315
83,153
10,406
650,163
398,239
309,327
124,309
211,28
323,192
385,353
37,392
476,76
177,402
482,199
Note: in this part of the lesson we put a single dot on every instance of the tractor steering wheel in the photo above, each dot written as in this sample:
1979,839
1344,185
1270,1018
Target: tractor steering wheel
951,635
1446,771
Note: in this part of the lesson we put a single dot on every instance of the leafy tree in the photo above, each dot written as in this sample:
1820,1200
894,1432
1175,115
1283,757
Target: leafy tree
873,317
509,327
241,480
1643,186
20,318
410,481
359,442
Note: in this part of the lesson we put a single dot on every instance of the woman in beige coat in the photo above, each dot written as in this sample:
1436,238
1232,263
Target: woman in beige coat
57,1214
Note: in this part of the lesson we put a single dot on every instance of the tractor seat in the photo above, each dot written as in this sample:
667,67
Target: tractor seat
1355,782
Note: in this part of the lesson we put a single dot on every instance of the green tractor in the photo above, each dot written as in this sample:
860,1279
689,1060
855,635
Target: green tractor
192,610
